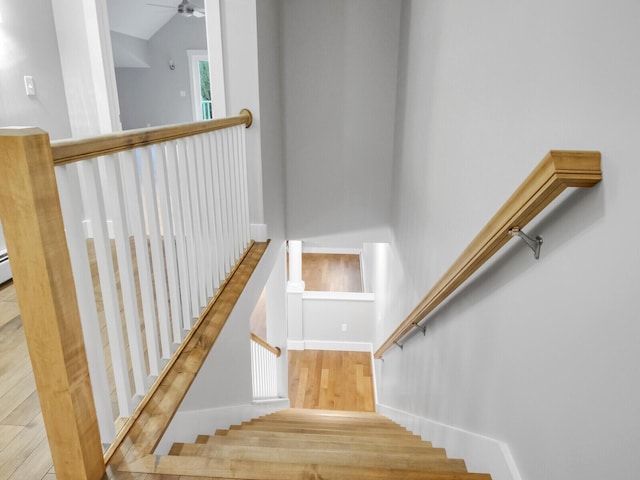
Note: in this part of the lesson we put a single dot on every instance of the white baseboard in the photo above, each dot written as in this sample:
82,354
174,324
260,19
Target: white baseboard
258,232
186,426
324,345
295,344
482,454
334,250
5,271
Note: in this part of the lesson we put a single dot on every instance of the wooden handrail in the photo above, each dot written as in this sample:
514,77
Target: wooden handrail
557,171
275,350
73,150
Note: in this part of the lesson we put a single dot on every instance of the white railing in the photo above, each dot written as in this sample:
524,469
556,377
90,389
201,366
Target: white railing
207,109
152,232
264,369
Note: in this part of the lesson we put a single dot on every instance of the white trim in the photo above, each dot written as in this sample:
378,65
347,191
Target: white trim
482,454
195,57
295,344
5,271
259,232
295,287
335,250
333,346
185,426
216,58
373,378
346,296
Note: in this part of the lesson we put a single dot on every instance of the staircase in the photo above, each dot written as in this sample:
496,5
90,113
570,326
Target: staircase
315,444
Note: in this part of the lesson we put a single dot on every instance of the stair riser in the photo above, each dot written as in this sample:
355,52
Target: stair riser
320,430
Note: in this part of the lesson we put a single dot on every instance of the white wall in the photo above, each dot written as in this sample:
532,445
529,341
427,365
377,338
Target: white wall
337,317
339,82
276,311
129,52
152,96
271,129
28,46
87,66
541,354
242,90
225,377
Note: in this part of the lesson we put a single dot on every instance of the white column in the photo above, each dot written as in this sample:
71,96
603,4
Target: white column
295,282
295,289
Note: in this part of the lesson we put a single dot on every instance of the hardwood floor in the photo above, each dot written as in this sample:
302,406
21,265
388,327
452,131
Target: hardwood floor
24,451
323,272
330,380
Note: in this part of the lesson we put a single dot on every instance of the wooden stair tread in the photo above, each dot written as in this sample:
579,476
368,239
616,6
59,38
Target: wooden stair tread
328,423
436,459
322,430
176,448
259,470
322,443
411,441
320,415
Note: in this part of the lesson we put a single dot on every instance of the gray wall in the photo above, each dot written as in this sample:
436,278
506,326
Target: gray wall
151,96
271,131
339,81
28,46
540,354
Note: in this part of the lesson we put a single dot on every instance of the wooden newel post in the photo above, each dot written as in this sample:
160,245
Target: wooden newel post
37,247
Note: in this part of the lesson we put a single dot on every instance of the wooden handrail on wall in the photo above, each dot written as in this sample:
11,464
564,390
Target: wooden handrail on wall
275,350
557,171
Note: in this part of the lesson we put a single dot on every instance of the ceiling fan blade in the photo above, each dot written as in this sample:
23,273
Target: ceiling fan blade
163,6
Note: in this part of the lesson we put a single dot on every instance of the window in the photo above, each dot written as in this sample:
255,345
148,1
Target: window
200,85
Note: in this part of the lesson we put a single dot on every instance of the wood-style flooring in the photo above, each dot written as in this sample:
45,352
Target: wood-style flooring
329,380
323,272
24,451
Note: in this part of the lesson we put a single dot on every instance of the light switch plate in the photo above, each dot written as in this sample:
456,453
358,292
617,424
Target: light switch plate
29,86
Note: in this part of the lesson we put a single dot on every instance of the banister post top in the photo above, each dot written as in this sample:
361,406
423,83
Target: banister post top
20,131
247,112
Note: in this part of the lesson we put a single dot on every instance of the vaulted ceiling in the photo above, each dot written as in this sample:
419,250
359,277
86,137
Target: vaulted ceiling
140,18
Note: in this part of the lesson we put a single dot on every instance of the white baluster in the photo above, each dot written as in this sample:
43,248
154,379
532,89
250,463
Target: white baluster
187,216
226,181
178,210
192,169
217,200
240,186
224,202
236,180
231,162
245,189
71,202
131,180
95,210
205,254
170,243
211,210
157,255
116,208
